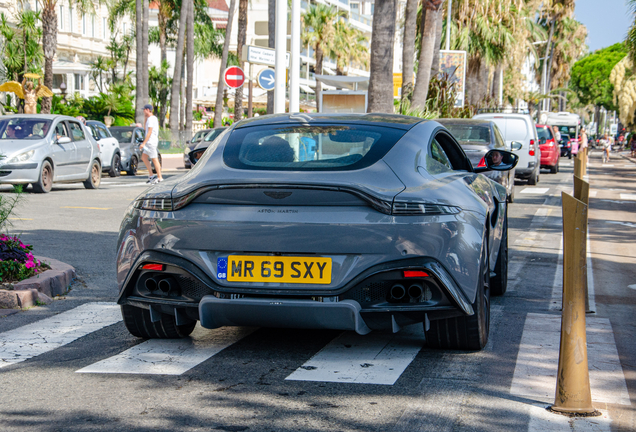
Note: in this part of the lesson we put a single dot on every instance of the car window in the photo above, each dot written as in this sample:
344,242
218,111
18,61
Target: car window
76,131
470,134
139,136
60,130
102,131
24,128
499,141
515,129
93,131
212,135
436,161
544,133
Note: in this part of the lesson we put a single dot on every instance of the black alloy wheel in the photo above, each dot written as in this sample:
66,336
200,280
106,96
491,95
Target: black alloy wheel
115,167
45,183
133,167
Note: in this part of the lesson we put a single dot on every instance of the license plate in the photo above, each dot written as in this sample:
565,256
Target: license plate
277,269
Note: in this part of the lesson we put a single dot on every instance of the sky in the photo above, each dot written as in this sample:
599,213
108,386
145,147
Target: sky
607,21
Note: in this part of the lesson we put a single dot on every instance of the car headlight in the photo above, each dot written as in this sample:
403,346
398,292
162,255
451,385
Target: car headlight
22,157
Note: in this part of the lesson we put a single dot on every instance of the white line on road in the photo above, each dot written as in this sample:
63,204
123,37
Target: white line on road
48,334
535,190
557,283
538,357
541,420
627,224
632,286
593,193
628,196
372,359
170,357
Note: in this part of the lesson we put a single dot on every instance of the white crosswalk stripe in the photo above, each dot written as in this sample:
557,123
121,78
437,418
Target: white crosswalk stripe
372,359
48,334
535,190
171,356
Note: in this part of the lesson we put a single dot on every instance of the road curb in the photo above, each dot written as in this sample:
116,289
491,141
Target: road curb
632,160
40,288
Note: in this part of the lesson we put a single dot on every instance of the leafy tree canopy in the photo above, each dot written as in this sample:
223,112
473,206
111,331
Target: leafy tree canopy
590,76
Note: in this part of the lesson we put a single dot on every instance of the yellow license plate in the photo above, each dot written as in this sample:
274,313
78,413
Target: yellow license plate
277,269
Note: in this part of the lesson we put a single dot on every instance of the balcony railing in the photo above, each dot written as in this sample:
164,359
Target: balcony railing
361,18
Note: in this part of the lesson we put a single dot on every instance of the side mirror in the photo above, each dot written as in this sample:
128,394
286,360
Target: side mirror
499,160
63,140
516,146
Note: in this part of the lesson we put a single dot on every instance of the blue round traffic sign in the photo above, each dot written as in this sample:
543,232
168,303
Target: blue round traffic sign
266,79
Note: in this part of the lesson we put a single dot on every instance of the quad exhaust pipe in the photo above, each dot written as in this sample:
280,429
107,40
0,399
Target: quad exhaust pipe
167,285
397,292
414,292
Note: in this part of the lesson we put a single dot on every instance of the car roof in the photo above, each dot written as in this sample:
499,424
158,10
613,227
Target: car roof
42,116
124,127
465,121
502,115
376,119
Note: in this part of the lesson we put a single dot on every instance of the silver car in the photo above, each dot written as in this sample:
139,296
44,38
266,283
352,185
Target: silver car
351,222
41,149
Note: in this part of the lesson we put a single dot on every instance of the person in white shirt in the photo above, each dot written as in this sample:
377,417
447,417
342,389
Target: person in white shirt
149,146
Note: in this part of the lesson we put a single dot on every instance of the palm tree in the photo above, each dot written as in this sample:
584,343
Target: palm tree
240,41
408,48
178,64
318,29
427,37
381,65
349,45
218,106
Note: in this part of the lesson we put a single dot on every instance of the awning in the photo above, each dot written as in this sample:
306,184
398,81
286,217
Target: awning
307,89
61,66
345,82
328,70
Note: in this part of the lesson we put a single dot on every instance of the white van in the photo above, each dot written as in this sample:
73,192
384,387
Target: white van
520,128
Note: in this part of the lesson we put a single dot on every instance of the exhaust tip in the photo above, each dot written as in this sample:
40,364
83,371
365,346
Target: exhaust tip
165,285
416,291
150,284
398,292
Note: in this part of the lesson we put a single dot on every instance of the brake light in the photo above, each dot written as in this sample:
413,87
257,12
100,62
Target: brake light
482,162
531,151
415,274
157,267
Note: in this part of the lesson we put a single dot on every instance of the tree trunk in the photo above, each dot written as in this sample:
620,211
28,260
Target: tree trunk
408,48
438,43
381,63
139,76
318,71
190,77
597,119
144,53
176,76
218,106
163,24
49,46
240,41
428,35
271,42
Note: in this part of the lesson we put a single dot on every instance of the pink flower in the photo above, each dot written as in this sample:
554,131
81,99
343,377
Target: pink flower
29,264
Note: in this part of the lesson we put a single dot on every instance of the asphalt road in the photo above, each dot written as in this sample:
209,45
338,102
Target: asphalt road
291,380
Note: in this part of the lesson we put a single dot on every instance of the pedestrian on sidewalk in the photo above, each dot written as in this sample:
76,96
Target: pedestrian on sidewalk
150,144
584,141
606,145
632,144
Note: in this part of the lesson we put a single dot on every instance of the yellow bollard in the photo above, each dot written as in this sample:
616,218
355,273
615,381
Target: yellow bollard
573,394
582,193
578,167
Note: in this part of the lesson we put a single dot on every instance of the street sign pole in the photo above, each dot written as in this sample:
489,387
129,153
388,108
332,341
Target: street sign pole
281,47
249,100
294,72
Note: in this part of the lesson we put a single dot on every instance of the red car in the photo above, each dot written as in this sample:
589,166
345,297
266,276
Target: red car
550,151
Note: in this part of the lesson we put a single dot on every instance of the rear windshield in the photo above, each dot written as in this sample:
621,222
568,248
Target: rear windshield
469,134
544,133
309,148
122,135
513,129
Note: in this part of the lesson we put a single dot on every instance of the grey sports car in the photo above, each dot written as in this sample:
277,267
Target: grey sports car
352,222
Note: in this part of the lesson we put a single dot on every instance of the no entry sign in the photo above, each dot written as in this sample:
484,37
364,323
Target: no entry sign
234,77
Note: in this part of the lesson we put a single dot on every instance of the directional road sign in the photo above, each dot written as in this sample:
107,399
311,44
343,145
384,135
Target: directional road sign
234,77
266,79
263,56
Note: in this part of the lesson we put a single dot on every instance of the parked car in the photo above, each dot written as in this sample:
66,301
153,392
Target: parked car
194,152
41,150
550,151
108,145
520,128
129,138
478,137
565,146
340,234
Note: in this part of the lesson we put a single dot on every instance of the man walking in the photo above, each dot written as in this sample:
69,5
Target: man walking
149,146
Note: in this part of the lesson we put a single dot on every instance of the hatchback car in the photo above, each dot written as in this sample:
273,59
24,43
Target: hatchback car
108,145
478,137
129,138
351,222
194,153
520,128
41,149
550,151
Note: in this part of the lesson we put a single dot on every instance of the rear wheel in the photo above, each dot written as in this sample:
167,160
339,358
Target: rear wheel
499,283
534,178
466,332
133,167
94,177
138,323
511,195
45,183
555,169
115,167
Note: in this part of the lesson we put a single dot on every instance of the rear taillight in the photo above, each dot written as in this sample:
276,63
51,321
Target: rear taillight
415,274
418,209
531,151
482,163
157,267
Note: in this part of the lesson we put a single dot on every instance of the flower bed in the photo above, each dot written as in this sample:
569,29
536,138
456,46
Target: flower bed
16,260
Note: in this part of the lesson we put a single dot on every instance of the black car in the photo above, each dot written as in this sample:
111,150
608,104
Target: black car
566,146
129,138
195,149
477,137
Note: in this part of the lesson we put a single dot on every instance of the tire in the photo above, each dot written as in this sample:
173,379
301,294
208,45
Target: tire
115,166
511,195
554,169
499,283
94,176
138,323
468,333
133,167
534,178
45,182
